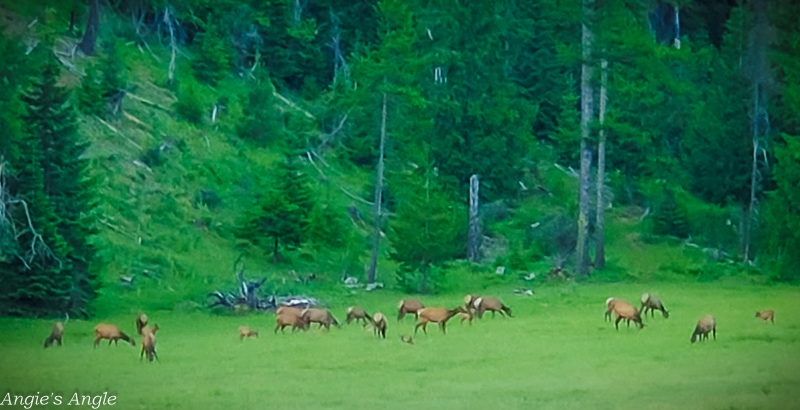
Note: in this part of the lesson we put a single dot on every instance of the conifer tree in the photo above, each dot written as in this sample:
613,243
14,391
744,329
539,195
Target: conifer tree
52,274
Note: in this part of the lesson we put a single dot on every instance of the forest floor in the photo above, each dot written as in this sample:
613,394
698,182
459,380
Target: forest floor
556,352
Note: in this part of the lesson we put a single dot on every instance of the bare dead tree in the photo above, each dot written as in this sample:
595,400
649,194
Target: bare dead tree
600,248
168,20
760,120
474,238
587,108
373,265
37,248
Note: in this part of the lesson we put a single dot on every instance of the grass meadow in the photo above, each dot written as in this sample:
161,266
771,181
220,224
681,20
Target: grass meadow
557,352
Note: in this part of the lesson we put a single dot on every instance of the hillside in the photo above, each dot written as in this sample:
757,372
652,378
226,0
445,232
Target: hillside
192,167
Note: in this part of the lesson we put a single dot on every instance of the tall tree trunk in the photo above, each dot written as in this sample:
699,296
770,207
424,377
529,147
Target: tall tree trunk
582,248
376,237
599,238
92,27
474,239
760,73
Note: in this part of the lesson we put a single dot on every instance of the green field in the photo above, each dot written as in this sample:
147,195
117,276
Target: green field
557,352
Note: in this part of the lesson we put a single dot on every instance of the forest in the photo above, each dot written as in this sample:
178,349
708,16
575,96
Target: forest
422,146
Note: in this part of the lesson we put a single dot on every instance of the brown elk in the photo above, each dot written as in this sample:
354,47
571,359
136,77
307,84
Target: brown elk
438,315
652,303
491,304
357,313
766,315
55,335
149,343
245,331
409,306
610,302
379,324
624,310
704,326
290,317
321,316
112,333
141,322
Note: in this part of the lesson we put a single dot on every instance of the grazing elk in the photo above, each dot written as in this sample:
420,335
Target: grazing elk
321,316
624,310
379,324
705,326
55,335
652,303
766,315
287,316
357,313
112,333
409,306
438,315
245,331
491,304
149,343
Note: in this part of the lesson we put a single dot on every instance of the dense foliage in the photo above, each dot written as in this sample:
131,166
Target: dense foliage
199,96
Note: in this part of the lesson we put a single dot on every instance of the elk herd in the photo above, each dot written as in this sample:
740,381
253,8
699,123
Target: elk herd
623,310
474,306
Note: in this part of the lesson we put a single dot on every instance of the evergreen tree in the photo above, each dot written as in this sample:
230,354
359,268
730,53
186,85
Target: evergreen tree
427,229
52,274
281,216
214,56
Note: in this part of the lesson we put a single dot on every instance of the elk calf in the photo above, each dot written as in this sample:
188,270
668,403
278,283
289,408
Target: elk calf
244,331
55,335
763,315
705,326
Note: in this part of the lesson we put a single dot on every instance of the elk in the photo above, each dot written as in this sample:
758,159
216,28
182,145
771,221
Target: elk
149,343
379,324
55,335
704,326
141,322
624,310
610,302
290,317
321,316
652,303
244,331
409,306
763,315
112,333
357,313
438,315
491,304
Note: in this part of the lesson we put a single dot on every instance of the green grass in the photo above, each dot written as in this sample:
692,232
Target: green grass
556,353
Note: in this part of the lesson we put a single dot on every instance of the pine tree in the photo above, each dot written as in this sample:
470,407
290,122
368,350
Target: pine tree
52,273
281,216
